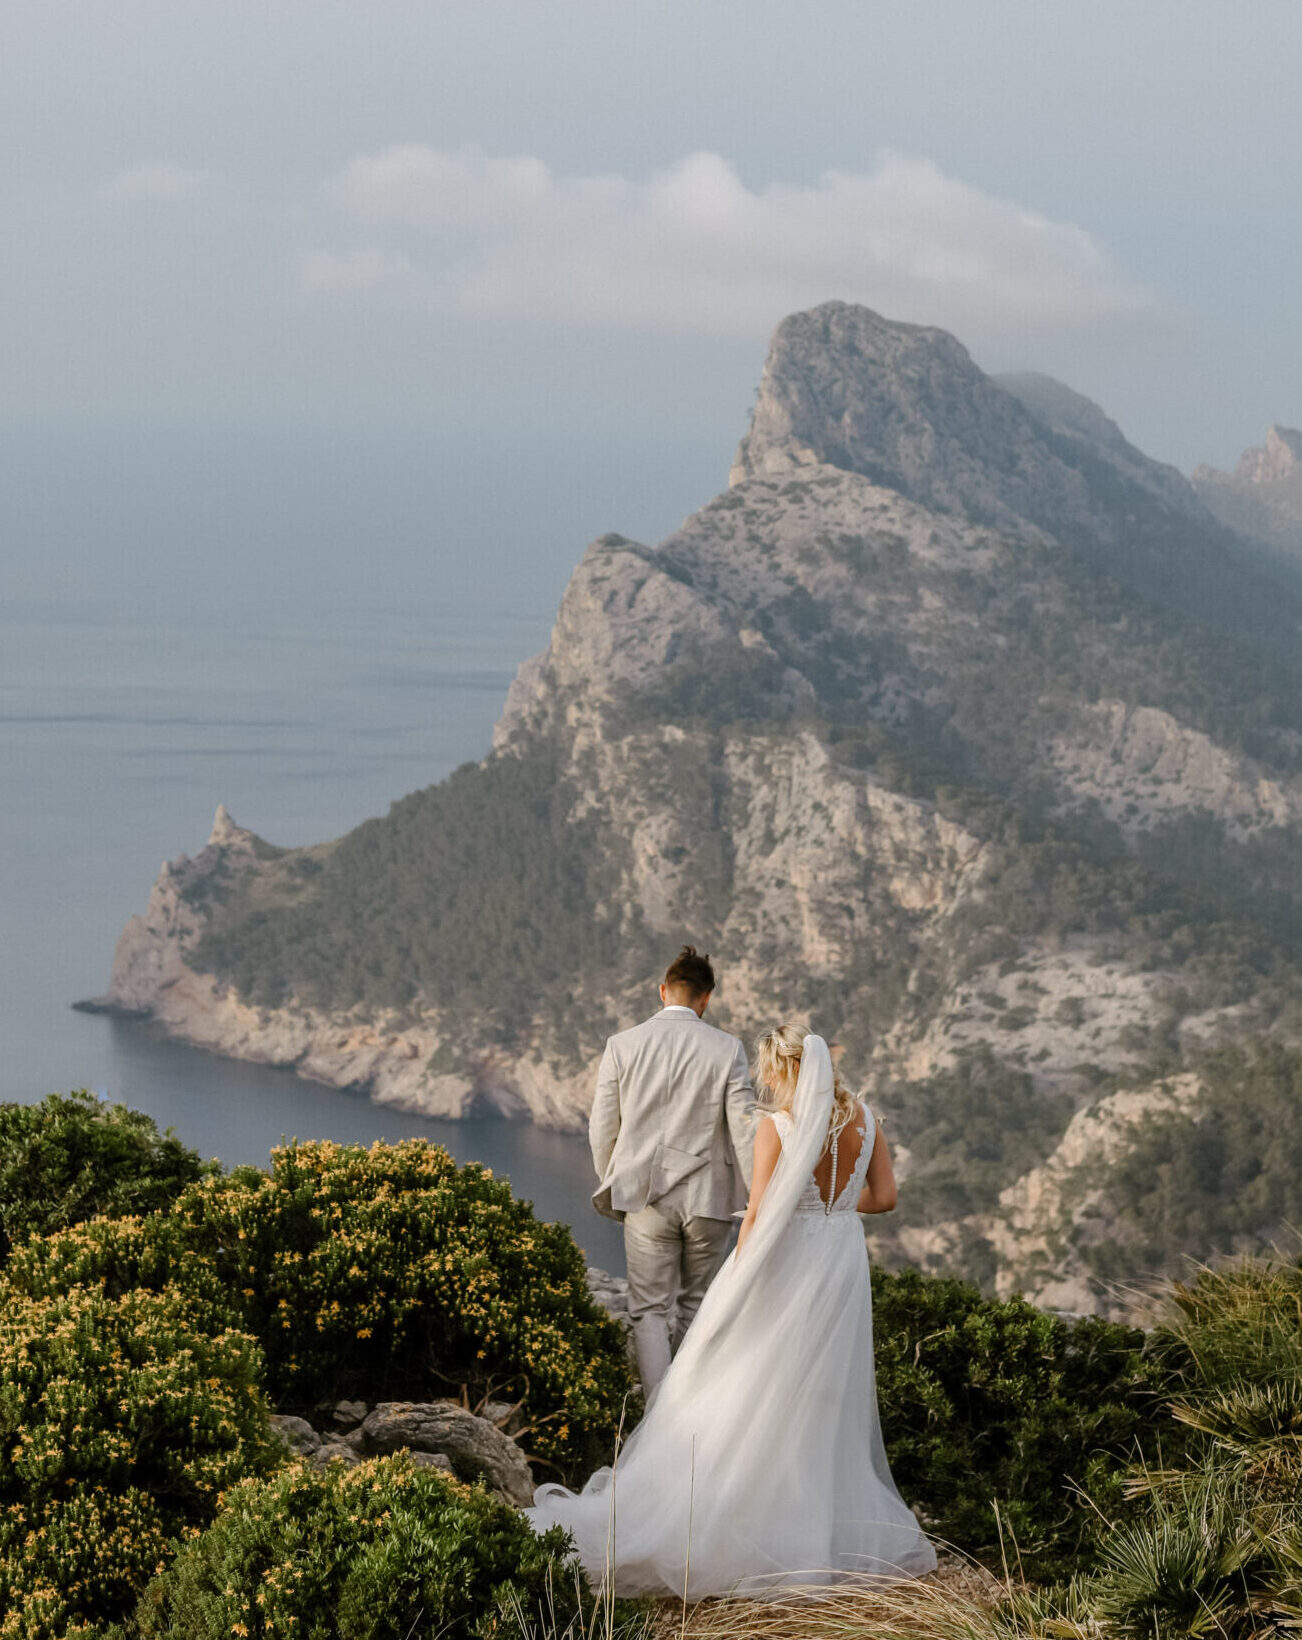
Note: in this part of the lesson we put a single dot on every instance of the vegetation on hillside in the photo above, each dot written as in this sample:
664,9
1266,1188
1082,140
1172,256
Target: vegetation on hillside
388,1272
122,1421
484,893
998,1417
1135,1482
1227,1179
140,1355
381,1552
71,1156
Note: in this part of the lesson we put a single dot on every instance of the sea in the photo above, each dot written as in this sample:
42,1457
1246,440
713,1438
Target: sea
121,729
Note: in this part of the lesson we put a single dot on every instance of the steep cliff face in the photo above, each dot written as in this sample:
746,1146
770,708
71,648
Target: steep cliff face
914,727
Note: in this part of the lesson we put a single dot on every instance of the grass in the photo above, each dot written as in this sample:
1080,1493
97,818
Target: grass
956,1601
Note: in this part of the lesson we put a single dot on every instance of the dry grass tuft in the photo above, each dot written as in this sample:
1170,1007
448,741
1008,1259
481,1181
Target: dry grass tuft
955,1602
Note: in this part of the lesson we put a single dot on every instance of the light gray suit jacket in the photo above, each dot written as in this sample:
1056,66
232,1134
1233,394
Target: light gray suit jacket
673,1118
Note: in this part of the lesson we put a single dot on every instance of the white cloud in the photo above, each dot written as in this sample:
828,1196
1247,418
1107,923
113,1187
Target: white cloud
162,181
693,248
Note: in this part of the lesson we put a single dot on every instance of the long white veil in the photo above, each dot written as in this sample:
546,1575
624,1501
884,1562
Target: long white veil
811,1112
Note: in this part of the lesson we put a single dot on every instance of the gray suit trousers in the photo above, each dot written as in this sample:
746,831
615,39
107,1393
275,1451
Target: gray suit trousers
672,1259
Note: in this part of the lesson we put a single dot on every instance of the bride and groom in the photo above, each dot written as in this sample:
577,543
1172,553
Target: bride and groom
759,1464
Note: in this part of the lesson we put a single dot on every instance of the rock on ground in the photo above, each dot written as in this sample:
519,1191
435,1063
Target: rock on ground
438,1434
475,1447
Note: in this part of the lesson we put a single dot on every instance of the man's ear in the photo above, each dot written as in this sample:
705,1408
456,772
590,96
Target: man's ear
664,995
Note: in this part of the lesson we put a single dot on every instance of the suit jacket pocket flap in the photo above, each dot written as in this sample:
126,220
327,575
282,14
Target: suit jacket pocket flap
672,1166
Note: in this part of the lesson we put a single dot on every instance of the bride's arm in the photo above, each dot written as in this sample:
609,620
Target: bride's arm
879,1193
768,1147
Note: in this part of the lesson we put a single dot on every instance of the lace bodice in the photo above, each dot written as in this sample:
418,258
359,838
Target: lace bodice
811,1200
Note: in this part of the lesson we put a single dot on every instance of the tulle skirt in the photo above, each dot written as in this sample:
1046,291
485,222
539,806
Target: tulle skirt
759,1465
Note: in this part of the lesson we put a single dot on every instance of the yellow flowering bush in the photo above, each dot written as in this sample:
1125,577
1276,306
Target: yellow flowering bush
387,1273
391,1273
375,1553
121,1420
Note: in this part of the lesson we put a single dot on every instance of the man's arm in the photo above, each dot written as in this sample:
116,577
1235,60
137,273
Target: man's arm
603,1123
740,1105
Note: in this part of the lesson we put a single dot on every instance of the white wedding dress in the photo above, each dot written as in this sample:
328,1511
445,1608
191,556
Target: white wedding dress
759,1465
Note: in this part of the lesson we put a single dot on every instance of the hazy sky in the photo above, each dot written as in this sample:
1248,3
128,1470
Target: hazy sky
335,289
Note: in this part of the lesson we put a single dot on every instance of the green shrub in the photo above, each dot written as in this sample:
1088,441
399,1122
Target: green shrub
73,1156
121,1420
392,1273
381,1552
1210,1542
991,1405
388,1273
1196,1563
120,1256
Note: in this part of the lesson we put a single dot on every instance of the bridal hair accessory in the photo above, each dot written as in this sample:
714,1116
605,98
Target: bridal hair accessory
779,1053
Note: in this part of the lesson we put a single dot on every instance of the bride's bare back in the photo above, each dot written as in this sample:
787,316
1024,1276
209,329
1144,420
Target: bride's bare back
849,1142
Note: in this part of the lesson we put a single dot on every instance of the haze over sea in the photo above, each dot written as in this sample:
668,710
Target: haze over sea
125,718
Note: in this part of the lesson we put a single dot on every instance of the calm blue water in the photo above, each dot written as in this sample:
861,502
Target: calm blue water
119,737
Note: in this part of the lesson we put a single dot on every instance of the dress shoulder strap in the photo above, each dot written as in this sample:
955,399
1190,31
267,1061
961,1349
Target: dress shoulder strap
782,1122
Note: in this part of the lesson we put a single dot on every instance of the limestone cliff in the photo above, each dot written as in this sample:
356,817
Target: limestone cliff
954,724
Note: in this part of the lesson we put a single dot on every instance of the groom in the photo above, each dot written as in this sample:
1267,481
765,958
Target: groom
671,1135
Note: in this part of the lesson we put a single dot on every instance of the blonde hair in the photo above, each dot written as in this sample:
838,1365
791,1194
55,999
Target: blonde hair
777,1066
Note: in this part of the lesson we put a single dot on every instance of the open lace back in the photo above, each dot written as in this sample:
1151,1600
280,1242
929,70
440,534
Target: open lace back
840,1160
848,1153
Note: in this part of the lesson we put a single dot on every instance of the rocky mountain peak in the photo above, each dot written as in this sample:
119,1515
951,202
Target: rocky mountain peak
1277,459
1262,497
907,407
224,829
902,404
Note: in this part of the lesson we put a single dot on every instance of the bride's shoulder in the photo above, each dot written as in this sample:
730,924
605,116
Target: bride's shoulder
778,1120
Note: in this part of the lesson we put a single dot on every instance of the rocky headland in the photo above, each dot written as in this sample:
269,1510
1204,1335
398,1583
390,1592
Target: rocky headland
955,724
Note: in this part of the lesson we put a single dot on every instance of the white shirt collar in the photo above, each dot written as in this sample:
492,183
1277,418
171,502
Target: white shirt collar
679,1008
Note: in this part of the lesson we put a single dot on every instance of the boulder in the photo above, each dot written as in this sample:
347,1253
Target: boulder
433,1460
349,1414
475,1448
295,1433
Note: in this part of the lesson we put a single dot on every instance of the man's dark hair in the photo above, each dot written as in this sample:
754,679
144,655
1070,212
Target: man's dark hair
692,971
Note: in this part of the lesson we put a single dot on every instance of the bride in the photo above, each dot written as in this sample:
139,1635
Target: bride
759,1464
